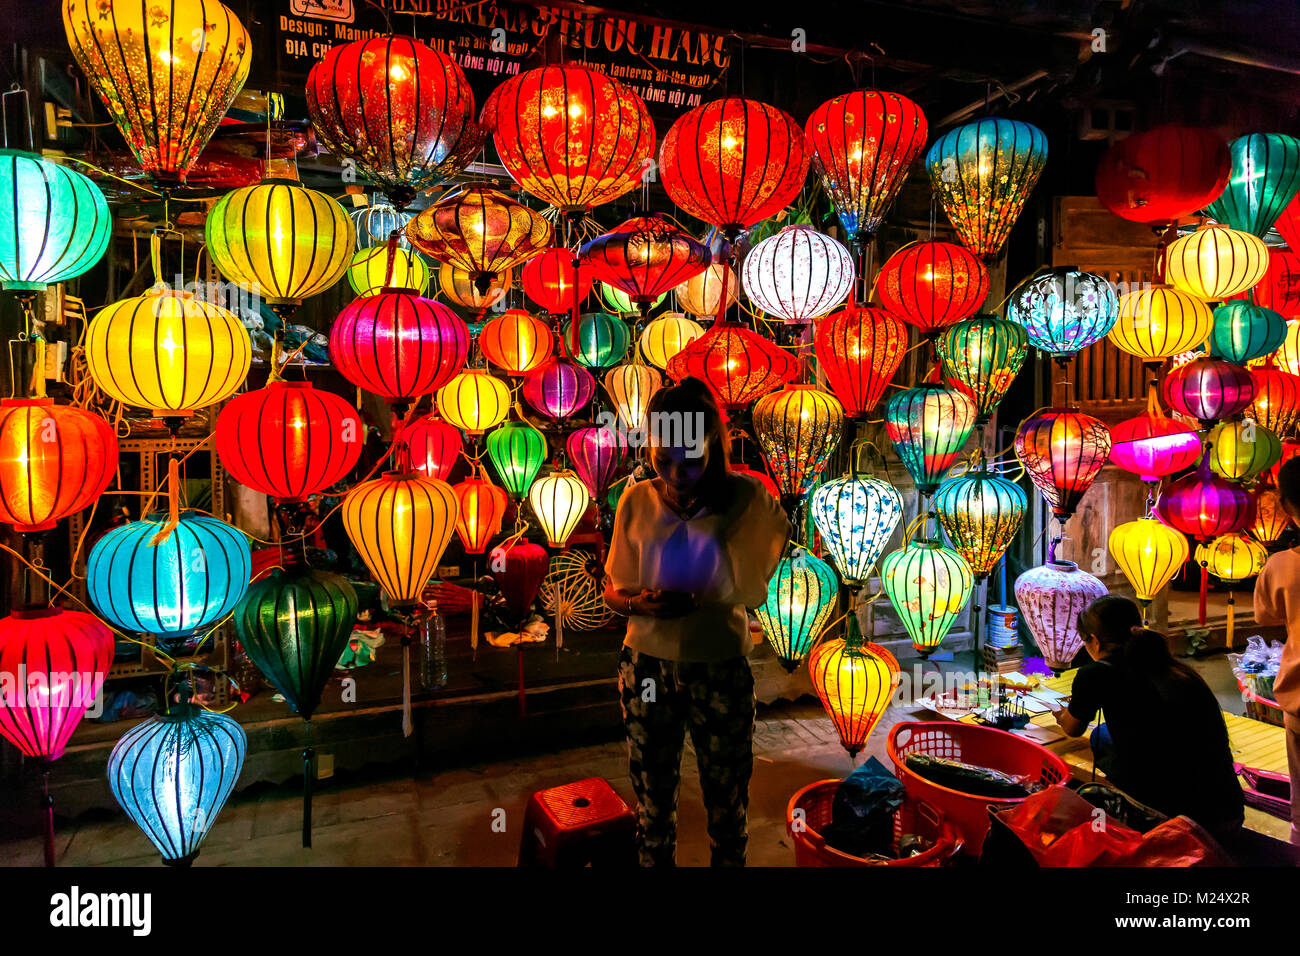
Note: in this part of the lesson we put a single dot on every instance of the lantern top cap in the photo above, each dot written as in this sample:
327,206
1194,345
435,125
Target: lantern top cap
1061,564
33,613
26,402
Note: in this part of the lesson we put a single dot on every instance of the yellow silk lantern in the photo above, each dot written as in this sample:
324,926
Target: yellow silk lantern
1159,322
630,387
1230,558
701,294
855,681
1149,553
1215,262
368,272
474,401
460,290
559,500
168,352
664,337
1241,450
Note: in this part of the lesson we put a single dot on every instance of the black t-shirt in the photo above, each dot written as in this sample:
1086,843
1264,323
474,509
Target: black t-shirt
1171,747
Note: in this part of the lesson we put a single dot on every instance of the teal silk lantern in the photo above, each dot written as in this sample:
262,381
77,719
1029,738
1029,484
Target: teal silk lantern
54,222
981,512
1243,331
982,356
855,517
1265,178
1064,310
928,585
928,425
517,450
602,340
800,598
190,580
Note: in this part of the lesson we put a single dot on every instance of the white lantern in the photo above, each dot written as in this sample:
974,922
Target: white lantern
855,517
798,274
559,500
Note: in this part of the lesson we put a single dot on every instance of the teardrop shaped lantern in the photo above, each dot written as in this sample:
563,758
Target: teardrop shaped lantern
289,440
800,598
559,500
517,450
1241,450
370,271
739,365
401,523
1204,505
1164,173
1215,262
56,226
280,240
983,172
167,352
1243,331
1265,177
1063,449
664,337
630,388
797,428
1064,310
928,425
860,349
798,274
1051,598
480,508
602,340
460,289
398,345
434,445
516,342
1154,446
981,513
928,585
1150,553
855,681
474,401
549,281
856,516
480,231
54,461
1208,389
571,135
863,144
932,284
1159,322
701,294
166,74
173,773
1271,519
559,388
400,110
596,454
734,162
518,570
982,356
1276,404
645,258
63,658
177,587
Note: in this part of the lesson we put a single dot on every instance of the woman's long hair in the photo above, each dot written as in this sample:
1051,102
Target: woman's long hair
1116,622
692,397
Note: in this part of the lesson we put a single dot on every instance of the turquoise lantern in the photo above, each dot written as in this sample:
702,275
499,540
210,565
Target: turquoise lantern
1064,310
855,517
602,340
173,773
981,512
928,425
54,222
1265,178
189,580
800,598
928,585
1243,331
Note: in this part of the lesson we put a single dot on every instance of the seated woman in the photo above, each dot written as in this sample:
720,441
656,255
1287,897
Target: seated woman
1164,742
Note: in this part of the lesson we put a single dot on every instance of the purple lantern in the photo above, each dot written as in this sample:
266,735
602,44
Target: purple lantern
596,454
1205,505
1209,389
559,388
1051,598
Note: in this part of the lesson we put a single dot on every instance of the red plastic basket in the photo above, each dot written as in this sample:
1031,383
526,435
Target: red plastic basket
810,849
981,746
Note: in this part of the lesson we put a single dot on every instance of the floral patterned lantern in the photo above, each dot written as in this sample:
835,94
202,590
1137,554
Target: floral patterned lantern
982,356
1051,598
739,365
797,428
798,274
1064,310
1208,389
981,512
928,425
1063,450
800,598
928,585
932,284
860,349
645,257
856,516
702,293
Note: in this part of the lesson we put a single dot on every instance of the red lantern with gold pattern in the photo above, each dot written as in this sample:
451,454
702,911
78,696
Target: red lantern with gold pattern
860,348
932,284
1063,450
645,257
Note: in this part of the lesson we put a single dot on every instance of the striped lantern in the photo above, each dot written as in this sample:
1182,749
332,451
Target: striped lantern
1064,310
932,284
620,303
739,365
855,517
630,387
480,231
1276,404
1204,505
701,294
559,500
928,585
1063,450
54,461
1150,553
645,258
549,281
664,337
797,428
517,450
801,595
1208,389
1241,450
798,274
474,401
596,454
370,273
1265,178
1215,262
1153,446
460,289
601,342
1271,520
855,681
516,342
1051,598
1164,173
982,357
860,349
1243,331
434,446
375,223
981,512
519,570
1231,558
928,425
558,388
480,508
1159,322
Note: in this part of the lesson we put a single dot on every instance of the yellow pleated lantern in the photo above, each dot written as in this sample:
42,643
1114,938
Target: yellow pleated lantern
664,337
1271,519
630,387
280,240
1149,553
474,401
1231,558
368,271
1241,450
1159,322
168,352
702,293
400,524
559,501
1216,262
460,290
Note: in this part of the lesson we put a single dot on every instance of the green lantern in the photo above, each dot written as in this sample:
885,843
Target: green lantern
54,222
602,340
1265,177
1243,331
928,585
984,354
928,425
517,450
981,512
800,598
1241,450
620,302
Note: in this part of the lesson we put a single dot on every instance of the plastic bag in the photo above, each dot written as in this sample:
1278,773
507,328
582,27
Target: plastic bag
862,812
967,778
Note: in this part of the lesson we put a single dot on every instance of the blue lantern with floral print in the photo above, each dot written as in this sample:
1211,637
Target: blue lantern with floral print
1064,310
856,517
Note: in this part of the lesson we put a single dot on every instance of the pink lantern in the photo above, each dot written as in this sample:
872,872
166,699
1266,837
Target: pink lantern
1209,389
1205,505
596,454
1153,446
559,388
434,444
1051,598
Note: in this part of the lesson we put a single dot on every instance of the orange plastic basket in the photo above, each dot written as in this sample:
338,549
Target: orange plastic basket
810,847
972,744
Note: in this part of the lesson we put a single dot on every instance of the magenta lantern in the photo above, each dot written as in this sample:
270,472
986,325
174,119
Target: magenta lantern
1205,505
1051,598
559,388
434,444
596,454
1209,389
1153,446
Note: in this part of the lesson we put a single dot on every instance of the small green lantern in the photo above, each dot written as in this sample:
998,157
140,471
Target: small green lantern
1265,177
800,598
981,512
928,585
620,302
517,450
603,340
1241,450
984,354
1243,331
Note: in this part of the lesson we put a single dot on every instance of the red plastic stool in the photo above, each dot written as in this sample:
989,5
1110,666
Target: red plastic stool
578,824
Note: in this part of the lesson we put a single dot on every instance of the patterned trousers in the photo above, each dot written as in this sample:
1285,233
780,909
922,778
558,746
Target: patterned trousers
663,699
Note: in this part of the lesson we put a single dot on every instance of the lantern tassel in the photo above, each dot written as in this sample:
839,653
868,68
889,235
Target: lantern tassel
407,726
308,754
173,503
1231,609
523,702
49,815
473,611
1205,586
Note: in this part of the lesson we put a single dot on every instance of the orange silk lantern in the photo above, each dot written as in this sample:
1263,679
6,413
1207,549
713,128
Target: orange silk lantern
54,461
480,507
932,284
860,349
1063,450
516,342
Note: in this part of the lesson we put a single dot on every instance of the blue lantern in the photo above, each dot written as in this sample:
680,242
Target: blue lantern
800,598
190,580
1243,331
1064,310
855,517
173,773
981,512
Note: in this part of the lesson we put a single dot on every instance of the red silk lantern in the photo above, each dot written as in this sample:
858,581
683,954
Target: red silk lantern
645,257
57,661
860,348
1153,446
739,365
1288,224
518,571
398,345
1208,389
549,281
596,454
1276,404
734,162
516,341
570,135
1163,173
762,477
289,440
54,461
480,506
1063,450
1279,290
932,284
1205,505
559,388
434,446
401,110
863,144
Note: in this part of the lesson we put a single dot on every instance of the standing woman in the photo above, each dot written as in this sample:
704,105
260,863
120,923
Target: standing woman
692,549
